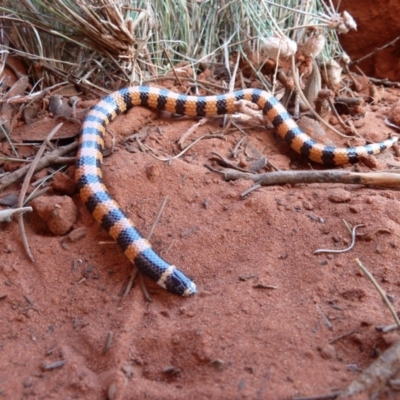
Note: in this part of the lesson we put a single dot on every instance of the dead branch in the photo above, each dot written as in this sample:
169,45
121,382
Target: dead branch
376,376
386,179
44,162
25,186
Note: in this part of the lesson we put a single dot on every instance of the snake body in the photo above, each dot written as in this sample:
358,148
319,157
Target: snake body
108,213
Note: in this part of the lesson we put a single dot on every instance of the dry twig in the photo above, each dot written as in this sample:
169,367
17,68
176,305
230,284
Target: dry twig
386,179
48,159
21,197
353,242
380,291
377,375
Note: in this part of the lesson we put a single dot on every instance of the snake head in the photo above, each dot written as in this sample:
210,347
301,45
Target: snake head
177,282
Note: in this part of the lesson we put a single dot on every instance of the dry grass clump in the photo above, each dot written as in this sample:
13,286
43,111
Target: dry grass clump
105,44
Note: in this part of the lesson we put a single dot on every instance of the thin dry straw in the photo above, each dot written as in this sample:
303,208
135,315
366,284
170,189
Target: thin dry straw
123,38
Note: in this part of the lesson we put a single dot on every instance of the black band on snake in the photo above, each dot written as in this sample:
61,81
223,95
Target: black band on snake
108,213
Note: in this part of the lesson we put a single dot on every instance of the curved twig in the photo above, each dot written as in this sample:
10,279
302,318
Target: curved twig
353,242
24,188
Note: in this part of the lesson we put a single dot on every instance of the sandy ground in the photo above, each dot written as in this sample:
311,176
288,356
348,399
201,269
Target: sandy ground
271,320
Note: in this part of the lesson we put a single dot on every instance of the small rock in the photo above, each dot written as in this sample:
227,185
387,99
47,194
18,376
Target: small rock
10,200
357,338
153,172
58,212
77,234
389,339
358,141
307,205
257,165
128,370
111,391
328,352
396,149
355,294
62,183
218,364
40,175
333,121
379,249
355,209
339,196
314,129
370,161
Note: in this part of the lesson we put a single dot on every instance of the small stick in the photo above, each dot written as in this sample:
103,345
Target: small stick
380,291
108,342
237,145
342,336
144,289
384,82
135,271
391,125
54,365
227,163
375,51
157,219
350,101
24,188
12,159
388,328
249,190
325,318
190,131
327,176
377,374
6,135
158,216
149,61
329,396
353,242
5,215
242,129
177,77
369,235
129,284
351,76
37,191
303,98
45,161
17,99
386,179
335,113
195,82
173,157
170,247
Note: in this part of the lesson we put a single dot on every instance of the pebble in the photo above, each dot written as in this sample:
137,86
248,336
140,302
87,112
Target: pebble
77,234
153,172
339,196
328,352
62,183
58,212
389,339
307,205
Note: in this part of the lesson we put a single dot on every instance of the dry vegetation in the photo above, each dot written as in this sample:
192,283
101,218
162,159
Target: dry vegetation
100,46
